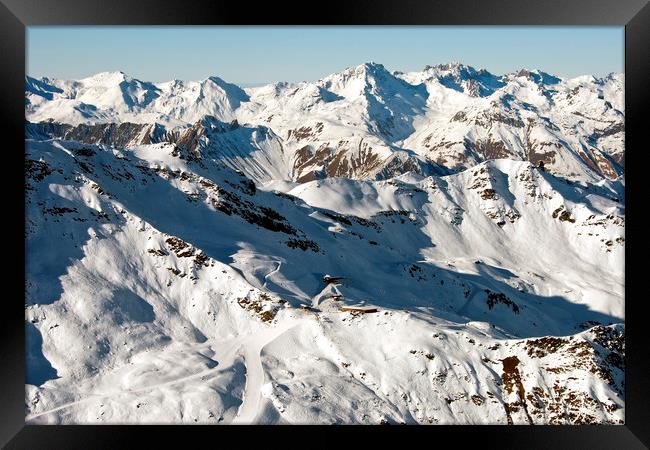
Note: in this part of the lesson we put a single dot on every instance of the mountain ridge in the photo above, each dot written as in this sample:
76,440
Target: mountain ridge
449,115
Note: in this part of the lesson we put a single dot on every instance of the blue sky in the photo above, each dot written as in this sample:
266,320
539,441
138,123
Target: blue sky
253,55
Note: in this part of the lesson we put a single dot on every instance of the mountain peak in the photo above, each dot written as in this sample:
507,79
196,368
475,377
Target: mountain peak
234,92
454,67
108,77
369,69
354,81
537,76
373,66
463,78
216,80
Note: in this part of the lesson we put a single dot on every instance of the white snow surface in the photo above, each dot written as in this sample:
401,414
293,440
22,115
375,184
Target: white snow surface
167,290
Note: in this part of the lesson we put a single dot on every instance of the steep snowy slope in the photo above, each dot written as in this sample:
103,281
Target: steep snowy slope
368,123
255,150
165,287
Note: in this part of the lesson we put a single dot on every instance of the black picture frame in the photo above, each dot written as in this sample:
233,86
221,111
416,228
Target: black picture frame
16,15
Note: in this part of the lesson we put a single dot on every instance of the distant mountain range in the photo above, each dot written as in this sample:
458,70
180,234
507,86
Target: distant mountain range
362,123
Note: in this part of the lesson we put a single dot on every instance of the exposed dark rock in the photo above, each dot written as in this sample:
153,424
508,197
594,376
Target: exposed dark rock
303,244
494,298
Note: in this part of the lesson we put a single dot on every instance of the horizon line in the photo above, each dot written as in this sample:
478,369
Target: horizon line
265,83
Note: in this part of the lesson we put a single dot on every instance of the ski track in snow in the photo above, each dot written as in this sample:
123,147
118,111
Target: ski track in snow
266,277
251,351
224,361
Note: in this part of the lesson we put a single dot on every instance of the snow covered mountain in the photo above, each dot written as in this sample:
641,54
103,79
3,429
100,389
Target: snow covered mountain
369,123
116,97
302,253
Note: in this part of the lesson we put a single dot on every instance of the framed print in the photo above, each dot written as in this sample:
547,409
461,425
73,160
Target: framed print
379,214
